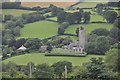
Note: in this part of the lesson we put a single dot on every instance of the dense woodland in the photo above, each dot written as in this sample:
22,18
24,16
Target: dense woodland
99,42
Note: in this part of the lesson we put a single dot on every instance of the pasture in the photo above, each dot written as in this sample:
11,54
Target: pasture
73,38
15,12
87,4
88,27
39,58
41,29
53,18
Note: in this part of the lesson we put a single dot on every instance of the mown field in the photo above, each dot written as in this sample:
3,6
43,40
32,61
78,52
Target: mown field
46,4
88,27
41,29
15,12
39,58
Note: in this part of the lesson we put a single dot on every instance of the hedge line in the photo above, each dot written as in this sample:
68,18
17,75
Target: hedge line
66,54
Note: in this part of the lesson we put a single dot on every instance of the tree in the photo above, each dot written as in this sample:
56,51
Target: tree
100,32
110,16
114,33
43,71
11,68
99,46
102,45
49,48
59,67
86,16
16,31
117,23
95,69
8,17
33,44
61,30
10,24
112,60
61,17
77,31
66,41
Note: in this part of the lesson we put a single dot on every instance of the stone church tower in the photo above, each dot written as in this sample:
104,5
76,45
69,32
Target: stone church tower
81,38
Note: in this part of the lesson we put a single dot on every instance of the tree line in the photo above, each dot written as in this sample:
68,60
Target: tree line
96,68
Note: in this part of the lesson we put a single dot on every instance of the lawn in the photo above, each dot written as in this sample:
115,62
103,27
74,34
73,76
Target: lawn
41,29
39,58
15,12
88,27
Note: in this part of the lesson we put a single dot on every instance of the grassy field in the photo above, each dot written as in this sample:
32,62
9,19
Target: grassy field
87,4
39,58
73,38
96,18
41,29
88,27
15,12
53,18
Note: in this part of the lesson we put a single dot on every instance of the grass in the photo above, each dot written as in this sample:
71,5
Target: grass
96,18
41,29
15,12
87,4
53,18
88,27
39,58
73,38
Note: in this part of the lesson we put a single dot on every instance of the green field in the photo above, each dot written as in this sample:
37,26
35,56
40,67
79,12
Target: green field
87,4
88,27
15,12
96,18
39,58
73,38
53,18
41,29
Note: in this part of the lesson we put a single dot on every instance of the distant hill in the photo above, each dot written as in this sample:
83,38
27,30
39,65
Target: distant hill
46,4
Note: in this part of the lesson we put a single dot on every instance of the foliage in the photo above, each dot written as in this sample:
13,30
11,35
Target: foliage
60,66
86,16
110,16
112,60
33,44
95,69
43,71
117,22
99,46
100,32
114,33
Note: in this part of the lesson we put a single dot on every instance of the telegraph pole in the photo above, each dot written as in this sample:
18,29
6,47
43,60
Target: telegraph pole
30,67
65,71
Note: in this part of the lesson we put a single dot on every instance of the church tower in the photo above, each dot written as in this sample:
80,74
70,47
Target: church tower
81,43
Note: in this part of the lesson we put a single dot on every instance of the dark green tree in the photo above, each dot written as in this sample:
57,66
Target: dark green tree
60,66
86,16
100,32
117,22
95,69
43,71
110,16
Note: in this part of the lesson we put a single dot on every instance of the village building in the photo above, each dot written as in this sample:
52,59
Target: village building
22,48
78,46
